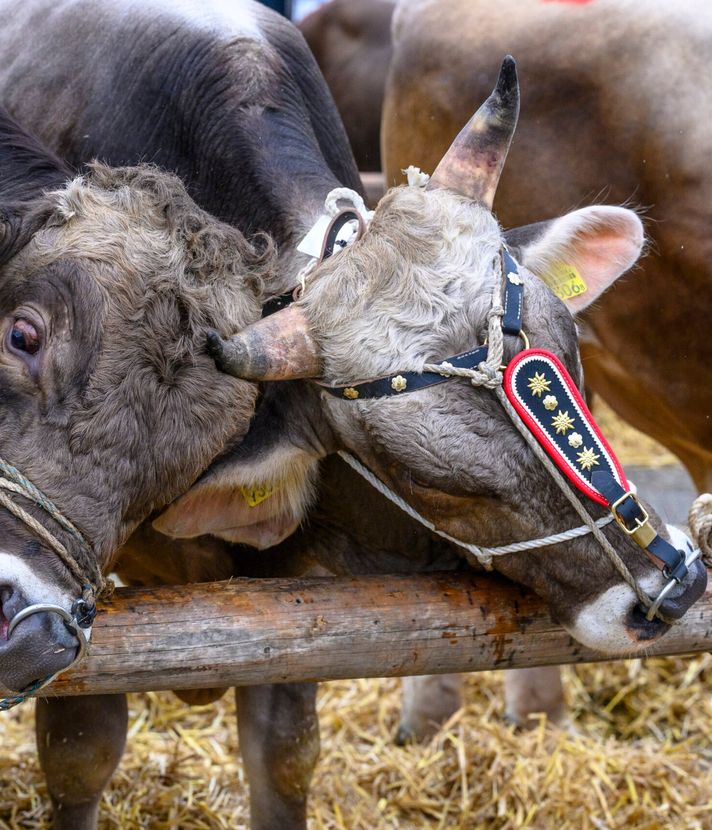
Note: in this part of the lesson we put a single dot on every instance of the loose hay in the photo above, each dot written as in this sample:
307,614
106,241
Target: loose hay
639,756
640,759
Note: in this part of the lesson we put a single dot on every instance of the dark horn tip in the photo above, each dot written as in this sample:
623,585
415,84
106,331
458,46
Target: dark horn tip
507,83
215,347
213,343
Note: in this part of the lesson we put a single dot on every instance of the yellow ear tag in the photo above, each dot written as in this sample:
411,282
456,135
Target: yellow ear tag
565,281
257,494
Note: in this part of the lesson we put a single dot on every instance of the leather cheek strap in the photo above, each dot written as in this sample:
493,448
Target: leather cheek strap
634,520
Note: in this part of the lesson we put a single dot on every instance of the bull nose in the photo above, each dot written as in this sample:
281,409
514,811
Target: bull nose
641,628
39,646
683,596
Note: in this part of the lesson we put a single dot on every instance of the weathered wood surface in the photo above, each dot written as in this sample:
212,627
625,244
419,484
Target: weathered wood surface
265,631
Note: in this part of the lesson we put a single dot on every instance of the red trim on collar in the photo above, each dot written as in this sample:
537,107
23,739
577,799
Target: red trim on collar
551,449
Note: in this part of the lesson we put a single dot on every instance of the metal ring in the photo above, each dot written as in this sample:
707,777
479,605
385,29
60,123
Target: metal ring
691,556
653,610
69,621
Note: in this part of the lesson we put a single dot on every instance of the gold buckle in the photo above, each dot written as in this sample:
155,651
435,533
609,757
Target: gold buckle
642,533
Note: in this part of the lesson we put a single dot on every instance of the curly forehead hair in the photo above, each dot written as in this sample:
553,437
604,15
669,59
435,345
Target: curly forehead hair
413,288
141,220
152,271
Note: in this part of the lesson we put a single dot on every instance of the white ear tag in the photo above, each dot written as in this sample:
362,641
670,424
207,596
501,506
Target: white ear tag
313,242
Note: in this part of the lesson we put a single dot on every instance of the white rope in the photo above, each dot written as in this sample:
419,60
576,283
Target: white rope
347,195
483,556
700,522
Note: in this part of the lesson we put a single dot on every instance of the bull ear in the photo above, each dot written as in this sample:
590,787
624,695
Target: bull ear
581,254
258,493
27,169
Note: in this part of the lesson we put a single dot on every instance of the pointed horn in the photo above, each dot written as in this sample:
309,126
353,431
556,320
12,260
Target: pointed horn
473,164
278,347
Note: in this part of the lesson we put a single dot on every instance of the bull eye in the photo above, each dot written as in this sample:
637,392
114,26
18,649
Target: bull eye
24,336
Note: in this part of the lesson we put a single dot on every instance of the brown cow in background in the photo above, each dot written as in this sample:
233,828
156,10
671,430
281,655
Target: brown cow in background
352,45
622,102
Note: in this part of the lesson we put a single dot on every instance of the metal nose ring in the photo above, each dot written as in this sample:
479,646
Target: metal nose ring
691,556
69,622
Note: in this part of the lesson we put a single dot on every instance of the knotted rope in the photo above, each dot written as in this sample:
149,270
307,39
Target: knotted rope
81,564
488,372
700,521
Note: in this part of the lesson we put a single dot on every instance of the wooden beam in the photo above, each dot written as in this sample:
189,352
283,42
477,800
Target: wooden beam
269,631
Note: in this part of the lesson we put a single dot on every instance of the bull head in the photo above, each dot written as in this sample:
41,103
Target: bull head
281,346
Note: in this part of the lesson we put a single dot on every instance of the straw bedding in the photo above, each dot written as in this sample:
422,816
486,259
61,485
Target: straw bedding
638,756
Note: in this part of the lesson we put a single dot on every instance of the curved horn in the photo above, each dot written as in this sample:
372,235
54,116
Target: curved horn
278,347
473,164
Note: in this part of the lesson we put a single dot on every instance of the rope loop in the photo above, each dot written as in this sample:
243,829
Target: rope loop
700,521
347,195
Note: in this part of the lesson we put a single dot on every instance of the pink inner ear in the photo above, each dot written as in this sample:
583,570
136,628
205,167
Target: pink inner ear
264,534
600,242
224,513
601,259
